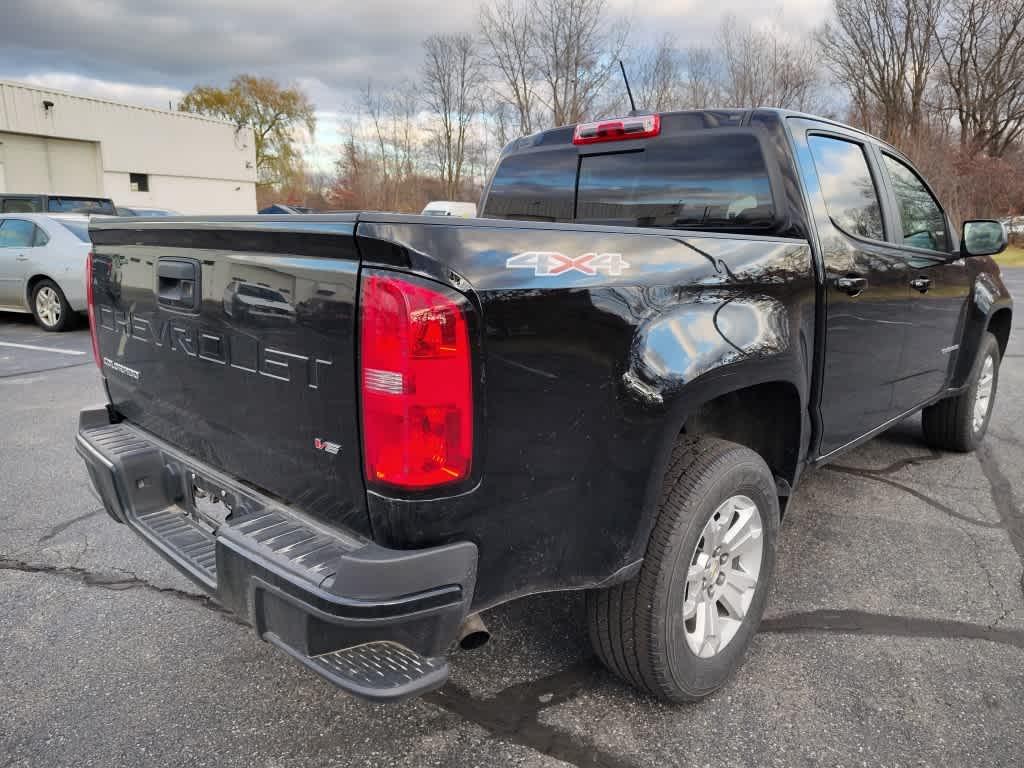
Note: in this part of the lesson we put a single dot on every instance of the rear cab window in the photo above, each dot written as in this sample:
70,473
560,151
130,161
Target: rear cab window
716,181
695,175
534,186
21,204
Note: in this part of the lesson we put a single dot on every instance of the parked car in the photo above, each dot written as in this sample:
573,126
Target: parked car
449,208
42,267
134,211
278,208
613,382
257,304
20,203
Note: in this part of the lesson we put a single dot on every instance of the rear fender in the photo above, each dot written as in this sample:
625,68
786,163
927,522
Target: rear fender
988,296
687,357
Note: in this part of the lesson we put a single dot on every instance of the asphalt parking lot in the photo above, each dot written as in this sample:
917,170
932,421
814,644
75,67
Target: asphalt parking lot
894,636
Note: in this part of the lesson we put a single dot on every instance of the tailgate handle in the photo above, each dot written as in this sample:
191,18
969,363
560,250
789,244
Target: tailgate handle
178,283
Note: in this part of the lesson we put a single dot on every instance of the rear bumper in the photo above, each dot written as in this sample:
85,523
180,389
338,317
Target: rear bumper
375,622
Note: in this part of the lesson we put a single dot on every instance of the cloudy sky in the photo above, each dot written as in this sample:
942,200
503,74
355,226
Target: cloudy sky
151,51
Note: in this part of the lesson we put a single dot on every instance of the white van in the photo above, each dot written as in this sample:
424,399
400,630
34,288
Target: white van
450,208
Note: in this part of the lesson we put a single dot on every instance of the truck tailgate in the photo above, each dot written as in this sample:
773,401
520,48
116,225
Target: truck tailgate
234,340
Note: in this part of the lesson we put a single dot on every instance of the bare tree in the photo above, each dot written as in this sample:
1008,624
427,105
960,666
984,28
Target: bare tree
762,68
883,52
982,70
386,140
656,76
452,81
700,81
508,38
577,47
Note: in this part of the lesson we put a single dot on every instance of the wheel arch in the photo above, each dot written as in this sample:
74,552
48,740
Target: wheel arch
766,417
758,402
32,282
999,326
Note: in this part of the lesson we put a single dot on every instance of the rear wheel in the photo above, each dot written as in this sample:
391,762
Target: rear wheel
682,626
49,307
959,423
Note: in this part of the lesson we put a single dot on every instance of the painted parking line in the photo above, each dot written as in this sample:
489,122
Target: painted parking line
41,349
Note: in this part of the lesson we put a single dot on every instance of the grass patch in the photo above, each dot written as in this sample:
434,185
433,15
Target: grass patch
1013,256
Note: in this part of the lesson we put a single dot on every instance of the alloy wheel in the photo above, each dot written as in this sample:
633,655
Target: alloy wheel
983,395
48,306
723,576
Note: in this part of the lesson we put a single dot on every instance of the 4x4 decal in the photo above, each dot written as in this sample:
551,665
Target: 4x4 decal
552,263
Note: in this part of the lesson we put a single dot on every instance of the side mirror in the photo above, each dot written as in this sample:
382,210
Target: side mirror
982,238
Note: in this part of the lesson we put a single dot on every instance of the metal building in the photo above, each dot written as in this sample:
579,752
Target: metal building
57,143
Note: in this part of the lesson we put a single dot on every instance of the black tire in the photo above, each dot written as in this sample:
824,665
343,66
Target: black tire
637,628
66,317
949,424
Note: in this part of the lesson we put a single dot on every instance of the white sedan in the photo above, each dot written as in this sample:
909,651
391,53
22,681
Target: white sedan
42,267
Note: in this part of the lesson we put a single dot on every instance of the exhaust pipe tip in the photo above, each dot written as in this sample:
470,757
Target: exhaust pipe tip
473,633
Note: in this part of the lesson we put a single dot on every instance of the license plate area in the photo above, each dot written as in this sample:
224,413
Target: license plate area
208,505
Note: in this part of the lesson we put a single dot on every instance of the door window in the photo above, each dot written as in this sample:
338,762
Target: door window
924,224
17,233
846,184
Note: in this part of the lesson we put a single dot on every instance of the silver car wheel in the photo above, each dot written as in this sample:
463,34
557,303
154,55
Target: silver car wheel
723,575
48,306
983,395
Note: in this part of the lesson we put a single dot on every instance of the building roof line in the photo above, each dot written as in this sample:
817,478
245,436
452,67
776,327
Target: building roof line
96,99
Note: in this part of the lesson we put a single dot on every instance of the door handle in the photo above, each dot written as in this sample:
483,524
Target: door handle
178,283
921,284
21,257
851,285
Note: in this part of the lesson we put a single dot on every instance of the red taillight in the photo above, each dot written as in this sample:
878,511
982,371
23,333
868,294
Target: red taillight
620,129
416,382
90,300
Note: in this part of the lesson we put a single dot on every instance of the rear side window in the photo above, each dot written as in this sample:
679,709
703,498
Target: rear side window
703,181
78,228
924,224
17,233
847,186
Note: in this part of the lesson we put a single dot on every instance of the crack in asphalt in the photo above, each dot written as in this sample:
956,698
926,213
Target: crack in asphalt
982,561
61,527
1001,491
882,476
853,622
891,469
512,715
117,580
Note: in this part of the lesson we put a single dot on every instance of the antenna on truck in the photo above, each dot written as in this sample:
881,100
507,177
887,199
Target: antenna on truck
629,92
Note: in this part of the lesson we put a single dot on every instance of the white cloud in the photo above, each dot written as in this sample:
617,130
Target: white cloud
127,93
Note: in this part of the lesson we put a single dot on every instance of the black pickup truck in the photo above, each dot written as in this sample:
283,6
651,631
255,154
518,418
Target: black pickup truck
612,382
